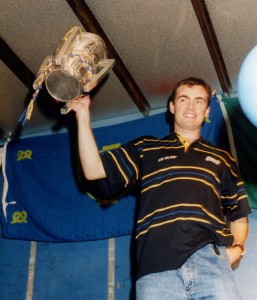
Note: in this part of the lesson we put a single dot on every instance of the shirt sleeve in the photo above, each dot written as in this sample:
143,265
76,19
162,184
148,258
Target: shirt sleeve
234,197
122,167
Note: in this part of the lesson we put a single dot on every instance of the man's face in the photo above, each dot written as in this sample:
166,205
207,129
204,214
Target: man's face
190,107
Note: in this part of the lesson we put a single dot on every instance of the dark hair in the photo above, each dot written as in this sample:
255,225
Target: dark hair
191,81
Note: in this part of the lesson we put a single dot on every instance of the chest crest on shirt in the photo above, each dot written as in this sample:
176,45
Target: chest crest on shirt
213,160
168,157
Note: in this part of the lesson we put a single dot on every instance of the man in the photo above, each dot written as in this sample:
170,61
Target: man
190,189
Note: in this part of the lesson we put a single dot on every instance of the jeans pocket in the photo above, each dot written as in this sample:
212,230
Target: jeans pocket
221,252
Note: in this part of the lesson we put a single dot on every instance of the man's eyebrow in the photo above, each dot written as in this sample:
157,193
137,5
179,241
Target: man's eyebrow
185,96
197,98
201,98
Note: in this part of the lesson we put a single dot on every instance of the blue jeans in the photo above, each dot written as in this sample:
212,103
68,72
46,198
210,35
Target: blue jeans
205,275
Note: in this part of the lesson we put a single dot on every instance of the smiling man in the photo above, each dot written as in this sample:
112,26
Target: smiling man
190,191
190,107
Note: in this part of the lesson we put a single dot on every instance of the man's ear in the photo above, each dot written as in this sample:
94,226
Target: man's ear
171,106
207,112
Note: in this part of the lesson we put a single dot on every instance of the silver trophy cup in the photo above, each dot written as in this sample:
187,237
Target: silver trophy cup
78,64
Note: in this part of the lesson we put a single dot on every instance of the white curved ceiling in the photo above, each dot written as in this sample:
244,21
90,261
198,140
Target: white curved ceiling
155,43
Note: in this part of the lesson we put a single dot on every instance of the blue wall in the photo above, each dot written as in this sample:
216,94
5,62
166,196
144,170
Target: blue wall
80,270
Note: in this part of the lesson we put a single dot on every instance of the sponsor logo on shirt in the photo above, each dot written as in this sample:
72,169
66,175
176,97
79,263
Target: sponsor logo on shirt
215,161
167,157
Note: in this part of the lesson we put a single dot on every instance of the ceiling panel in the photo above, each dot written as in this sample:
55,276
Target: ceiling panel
235,25
12,91
33,29
160,42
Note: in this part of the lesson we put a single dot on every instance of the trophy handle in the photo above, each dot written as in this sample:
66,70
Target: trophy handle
106,65
65,109
66,42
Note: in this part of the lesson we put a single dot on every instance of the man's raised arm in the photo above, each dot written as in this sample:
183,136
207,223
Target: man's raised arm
88,151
